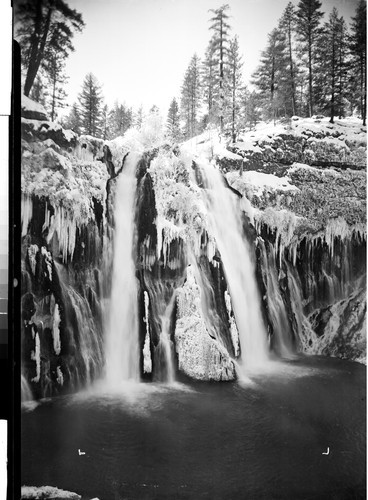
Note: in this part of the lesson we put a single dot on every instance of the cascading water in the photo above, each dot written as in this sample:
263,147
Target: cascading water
226,223
282,338
121,332
166,368
26,392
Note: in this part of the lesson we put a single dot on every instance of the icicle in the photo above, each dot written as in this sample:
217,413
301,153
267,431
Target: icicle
65,226
233,329
147,360
32,252
46,223
27,212
59,376
36,356
56,331
48,260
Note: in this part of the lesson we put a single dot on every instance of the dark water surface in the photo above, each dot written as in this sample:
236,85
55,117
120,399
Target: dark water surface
262,440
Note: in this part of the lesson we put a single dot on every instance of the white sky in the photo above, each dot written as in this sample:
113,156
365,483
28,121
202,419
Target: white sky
140,49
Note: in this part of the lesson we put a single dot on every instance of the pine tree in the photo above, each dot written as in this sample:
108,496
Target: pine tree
270,78
308,22
250,108
73,121
173,121
330,65
55,69
39,91
138,118
191,97
90,100
220,46
287,25
235,84
342,49
209,83
39,24
358,48
105,122
120,119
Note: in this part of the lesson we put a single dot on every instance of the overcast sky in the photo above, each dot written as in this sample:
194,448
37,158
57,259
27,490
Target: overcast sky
140,49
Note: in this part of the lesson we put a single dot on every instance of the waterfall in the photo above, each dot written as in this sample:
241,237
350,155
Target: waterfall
282,338
26,392
166,372
225,219
121,329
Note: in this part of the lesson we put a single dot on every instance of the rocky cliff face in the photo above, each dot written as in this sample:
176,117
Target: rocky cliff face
63,197
305,221
311,222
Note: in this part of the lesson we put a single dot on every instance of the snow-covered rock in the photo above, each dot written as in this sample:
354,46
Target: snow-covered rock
339,330
32,110
47,492
200,356
308,140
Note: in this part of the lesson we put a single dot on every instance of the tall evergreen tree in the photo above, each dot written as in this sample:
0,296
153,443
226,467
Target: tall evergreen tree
330,65
39,92
210,83
39,25
73,120
120,119
55,68
105,122
308,27
235,84
90,101
173,121
287,25
220,46
270,78
358,48
191,97
250,108
343,62
138,118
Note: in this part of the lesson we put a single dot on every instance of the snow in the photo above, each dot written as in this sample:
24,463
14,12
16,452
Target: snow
69,185
199,355
258,183
34,492
207,146
180,208
347,129
283,222
30,105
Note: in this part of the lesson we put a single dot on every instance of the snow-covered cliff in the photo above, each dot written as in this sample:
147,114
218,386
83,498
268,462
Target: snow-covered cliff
298,194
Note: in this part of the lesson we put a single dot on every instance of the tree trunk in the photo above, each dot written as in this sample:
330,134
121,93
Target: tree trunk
364,87
293,107
310,75
38,48
234,103
333,81
221,78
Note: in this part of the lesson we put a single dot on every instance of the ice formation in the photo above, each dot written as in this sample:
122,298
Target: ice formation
56,331
147,361
36,355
